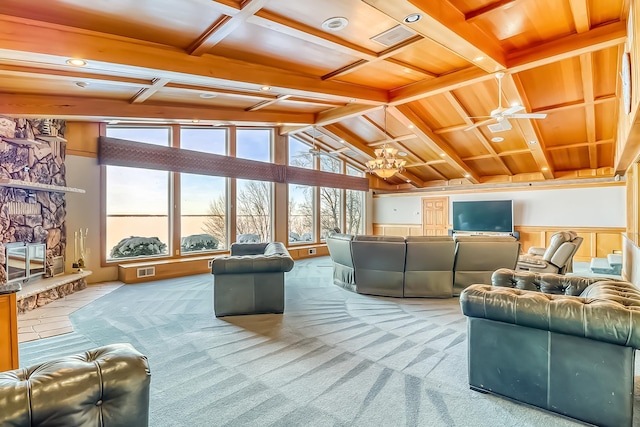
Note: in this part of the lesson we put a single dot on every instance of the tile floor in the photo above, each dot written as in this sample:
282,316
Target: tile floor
53,318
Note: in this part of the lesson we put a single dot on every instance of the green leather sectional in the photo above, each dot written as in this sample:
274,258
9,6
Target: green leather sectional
418,266
562,343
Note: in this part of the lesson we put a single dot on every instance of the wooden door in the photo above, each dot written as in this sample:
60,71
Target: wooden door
435,216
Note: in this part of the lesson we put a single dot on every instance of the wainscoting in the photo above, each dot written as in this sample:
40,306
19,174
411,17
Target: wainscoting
598,241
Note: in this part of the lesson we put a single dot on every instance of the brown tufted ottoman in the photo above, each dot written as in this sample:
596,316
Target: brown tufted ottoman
562,343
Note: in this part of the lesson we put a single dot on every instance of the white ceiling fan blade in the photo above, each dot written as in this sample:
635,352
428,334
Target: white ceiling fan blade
528,116
480,123
512,110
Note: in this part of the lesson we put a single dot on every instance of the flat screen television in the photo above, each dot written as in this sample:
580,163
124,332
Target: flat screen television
484,216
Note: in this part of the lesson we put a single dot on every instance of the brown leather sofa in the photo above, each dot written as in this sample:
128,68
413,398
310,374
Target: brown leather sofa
562,343
104,387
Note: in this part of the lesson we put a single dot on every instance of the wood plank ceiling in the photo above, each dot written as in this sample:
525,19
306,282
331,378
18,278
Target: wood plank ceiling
271,62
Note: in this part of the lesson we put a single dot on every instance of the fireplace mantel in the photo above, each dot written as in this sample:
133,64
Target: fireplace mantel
7,182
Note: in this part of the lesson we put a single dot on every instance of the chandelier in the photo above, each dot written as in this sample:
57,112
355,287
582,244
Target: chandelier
385,165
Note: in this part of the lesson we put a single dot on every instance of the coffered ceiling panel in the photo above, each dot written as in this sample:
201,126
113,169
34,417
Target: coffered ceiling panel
475,91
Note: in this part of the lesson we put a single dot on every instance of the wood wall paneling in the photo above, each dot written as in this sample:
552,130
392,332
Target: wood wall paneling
8,333
597,242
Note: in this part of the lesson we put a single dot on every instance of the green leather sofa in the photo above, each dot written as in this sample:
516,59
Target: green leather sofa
418,266
562,343
251,279
104,387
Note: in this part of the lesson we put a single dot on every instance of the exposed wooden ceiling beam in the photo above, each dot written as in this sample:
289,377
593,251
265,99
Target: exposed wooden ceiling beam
512,89
580,11
567,47
580,145
146,93
446,25
224,26
68,107
74,74
491,7
395,139
586,70
310,34
31,41
576,104
598,38
408,116
386,54
262,104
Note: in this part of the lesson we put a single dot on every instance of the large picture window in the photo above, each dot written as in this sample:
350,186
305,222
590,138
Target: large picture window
137,202
203,199
169,213
254,198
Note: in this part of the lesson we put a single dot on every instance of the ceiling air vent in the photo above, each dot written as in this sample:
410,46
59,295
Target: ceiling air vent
393,36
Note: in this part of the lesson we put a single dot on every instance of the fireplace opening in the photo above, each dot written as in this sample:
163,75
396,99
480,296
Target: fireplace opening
25,260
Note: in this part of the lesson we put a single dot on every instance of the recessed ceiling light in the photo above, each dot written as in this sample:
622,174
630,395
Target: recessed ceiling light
532,142
114,122
402,153
408,180
410,126
478,58
336,23
410,19
515,104
353,100
497,139
467,176
342,141
442,154
195,121
82,84
207,95
76,62
545,168
265,88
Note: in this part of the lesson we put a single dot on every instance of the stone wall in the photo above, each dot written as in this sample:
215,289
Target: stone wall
29,152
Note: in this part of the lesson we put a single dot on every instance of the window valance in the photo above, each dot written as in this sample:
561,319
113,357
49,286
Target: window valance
121,152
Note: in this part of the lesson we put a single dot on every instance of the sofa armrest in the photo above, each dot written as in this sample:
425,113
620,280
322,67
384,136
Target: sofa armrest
535,251
613,316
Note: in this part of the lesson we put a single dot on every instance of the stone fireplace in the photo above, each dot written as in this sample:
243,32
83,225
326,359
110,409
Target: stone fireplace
32,179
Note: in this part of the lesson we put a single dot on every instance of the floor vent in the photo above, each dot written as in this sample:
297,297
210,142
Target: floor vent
57,265
146,272
393,36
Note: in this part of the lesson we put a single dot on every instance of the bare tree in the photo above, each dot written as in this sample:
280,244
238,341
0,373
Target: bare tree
253,213
216,224
354,209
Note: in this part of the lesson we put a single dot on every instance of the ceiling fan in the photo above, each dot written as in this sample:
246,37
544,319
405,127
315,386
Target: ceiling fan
501,114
